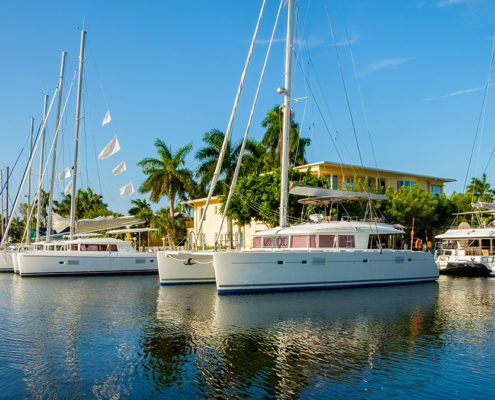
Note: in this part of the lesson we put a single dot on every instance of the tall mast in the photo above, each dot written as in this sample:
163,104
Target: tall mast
284,190
42,156
28,212
54,159
7,201
1,204
76,139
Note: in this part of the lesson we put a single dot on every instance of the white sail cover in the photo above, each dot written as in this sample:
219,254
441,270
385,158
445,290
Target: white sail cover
111,148
96,224
64,174
68,188
107,118
119,168
126,190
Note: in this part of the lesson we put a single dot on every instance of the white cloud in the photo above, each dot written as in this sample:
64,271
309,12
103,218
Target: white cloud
458,93
383,64
445,3
346,42
311,41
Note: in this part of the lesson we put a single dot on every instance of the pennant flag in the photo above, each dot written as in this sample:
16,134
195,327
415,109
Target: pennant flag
119,168
111,148
68,188
107,118
126,190
64,174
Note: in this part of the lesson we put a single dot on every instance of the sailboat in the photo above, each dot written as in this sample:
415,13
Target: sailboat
319,254
84,255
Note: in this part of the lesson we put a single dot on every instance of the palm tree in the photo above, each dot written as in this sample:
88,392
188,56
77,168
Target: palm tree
273,139
480,189
167,175
88,205
141,210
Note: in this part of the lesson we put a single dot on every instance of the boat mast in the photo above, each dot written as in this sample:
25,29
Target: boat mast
76,139
28,212
284,190
42,156
54,160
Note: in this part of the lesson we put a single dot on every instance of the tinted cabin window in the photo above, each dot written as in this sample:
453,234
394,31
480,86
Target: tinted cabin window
267,242
303,241
112,247
485,244
73,247
282,241
256,242
327,240
346,241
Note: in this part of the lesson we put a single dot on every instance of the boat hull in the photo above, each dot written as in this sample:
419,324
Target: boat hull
185,267
466,269
293,270
53,263
15,261
6,264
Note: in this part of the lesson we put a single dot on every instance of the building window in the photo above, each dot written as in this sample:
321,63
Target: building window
349,183
405,183
333,182
436,190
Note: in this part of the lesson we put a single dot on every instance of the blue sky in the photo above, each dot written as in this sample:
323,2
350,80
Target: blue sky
170,70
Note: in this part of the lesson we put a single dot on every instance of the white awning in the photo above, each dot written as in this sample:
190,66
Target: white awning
322,195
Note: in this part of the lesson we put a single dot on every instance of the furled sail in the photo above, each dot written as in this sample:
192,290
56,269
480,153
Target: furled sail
119,168
107,118
96,224
126,190
64,174
111,148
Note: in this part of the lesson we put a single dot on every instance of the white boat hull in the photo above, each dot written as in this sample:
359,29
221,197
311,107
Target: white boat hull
247,271
6,261
185,267
50,263
15,261
488,262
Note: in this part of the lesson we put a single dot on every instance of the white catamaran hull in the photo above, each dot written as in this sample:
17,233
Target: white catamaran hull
185,267
290,270
15,261
49,263
6,261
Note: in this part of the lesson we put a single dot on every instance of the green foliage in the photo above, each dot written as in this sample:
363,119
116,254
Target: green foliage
258,197
174,230
480,190
88,205
141,210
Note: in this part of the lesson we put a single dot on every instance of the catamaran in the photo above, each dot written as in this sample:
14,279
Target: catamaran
321,254
469,250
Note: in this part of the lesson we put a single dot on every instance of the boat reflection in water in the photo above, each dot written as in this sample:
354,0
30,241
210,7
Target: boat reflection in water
287,344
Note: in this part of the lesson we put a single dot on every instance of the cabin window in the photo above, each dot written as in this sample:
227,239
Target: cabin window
303,241
485,244
256,242
474,243
267,242
112,247
73,247
347,241
327,240
282,241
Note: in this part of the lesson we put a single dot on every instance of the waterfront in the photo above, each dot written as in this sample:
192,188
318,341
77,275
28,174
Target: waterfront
127,337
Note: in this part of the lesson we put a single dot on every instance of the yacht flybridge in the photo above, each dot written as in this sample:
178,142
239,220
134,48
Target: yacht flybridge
469,250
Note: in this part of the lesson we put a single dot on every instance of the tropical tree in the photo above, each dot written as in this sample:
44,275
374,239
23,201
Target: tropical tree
175,231
141,210
167,175
88,205
272,139
481,189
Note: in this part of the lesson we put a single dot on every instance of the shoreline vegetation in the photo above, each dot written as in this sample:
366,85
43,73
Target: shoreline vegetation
258,189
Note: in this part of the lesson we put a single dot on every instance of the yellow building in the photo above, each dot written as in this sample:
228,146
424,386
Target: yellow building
338,175
342,176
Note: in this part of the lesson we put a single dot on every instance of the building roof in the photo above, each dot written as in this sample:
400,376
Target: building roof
373,169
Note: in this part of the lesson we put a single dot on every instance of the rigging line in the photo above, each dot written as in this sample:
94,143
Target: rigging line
248,127
363,108
93,59
231,121
489,160
482,111
344,85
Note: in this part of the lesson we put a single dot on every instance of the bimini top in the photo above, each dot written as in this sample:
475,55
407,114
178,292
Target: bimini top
471,233
131,230
333,227
318,195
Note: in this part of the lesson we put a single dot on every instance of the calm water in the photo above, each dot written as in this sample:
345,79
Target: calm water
126,337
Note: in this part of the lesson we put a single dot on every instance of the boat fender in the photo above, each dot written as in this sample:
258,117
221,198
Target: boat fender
189,261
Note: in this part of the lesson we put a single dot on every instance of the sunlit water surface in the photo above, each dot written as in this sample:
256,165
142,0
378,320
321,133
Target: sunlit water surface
127,337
